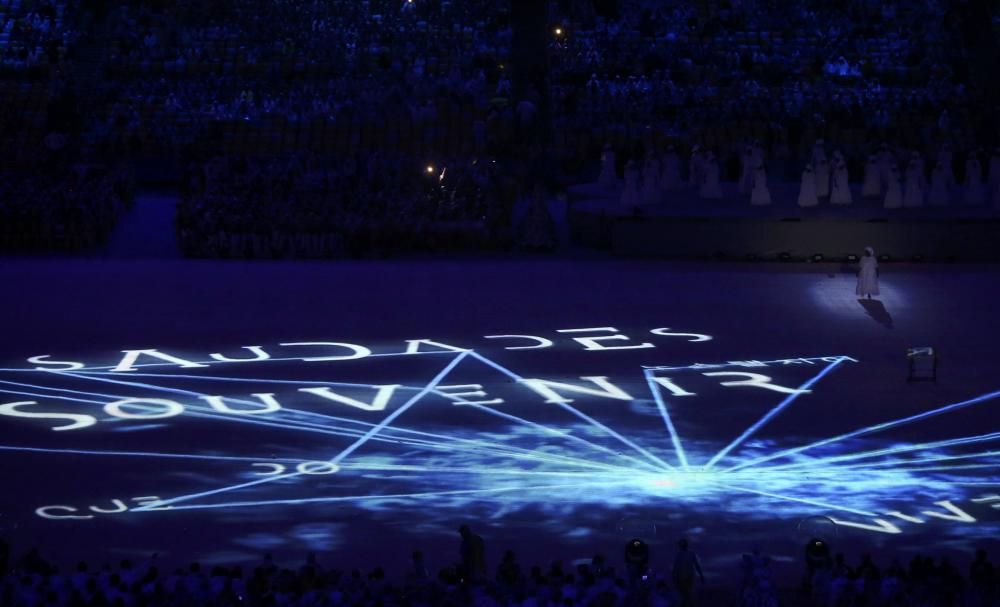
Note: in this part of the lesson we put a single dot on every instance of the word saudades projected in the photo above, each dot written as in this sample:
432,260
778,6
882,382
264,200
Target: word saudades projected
591,339
376,397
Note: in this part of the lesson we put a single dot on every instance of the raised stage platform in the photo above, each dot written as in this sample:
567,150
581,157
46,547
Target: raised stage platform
684,226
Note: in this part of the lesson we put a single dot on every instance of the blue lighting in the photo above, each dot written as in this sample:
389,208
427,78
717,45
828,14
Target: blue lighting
518,444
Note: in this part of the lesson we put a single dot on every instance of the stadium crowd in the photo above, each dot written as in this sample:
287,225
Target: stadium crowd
743,89
30,580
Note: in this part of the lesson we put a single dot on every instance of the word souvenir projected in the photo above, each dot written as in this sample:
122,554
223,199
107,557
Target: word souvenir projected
569,426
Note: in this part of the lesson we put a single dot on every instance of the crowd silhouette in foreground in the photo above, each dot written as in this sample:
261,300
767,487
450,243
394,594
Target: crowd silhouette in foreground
829,580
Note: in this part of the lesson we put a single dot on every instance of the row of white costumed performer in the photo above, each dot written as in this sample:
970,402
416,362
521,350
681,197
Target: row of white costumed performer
823,179
659,176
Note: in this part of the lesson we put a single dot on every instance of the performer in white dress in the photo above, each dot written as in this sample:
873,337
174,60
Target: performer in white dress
822,171
885,161
872,185
608,177
913,190
939,194
760,195
670,170
630,195
807,190
868,274
711,188
893,193
972,193
757,153
841,191
818,151
651,181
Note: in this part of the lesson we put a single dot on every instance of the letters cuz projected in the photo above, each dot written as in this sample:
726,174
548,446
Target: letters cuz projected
562,423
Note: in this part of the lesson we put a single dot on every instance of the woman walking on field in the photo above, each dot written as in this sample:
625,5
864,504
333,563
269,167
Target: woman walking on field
868,275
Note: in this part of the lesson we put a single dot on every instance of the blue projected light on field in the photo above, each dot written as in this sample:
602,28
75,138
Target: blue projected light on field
531,444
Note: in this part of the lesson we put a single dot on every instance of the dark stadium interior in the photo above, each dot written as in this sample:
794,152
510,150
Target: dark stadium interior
499,303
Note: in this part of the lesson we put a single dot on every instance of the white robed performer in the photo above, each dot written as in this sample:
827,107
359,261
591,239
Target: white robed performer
893,192
913,189
939,194
608,177
670,170
885,161
757,152
807,191
841,192
972,193
868,274
822,170
651,181
711,188
818,151
872,185
630,195
760,195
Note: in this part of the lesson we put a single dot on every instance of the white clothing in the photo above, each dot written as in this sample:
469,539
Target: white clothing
868,275
607,178
630,195
822,172
760,195
872,185
913,190
807,191
710,188
893,193
651,182
841,192
818,153
885,162
939,195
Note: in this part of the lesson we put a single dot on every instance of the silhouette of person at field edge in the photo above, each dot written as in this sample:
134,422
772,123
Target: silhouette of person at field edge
473,554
